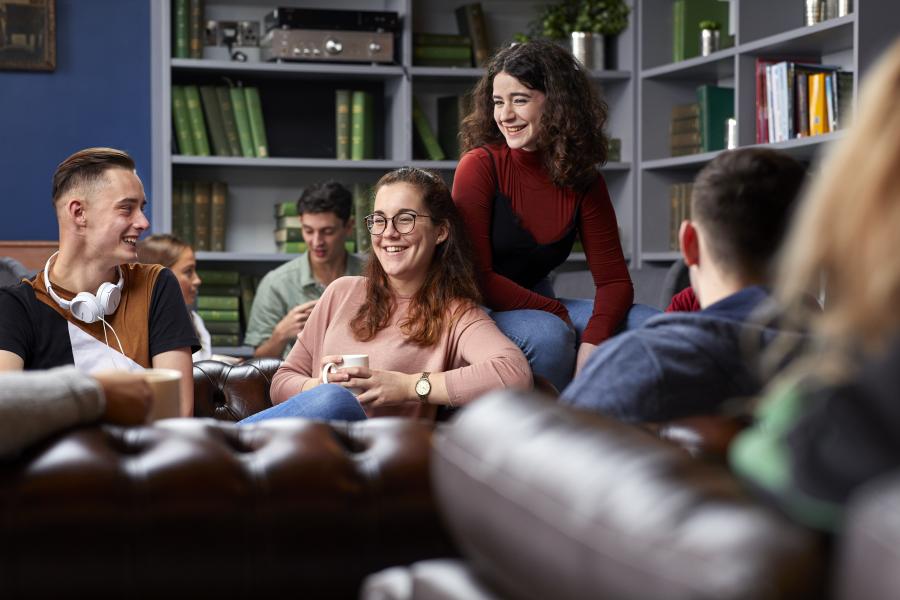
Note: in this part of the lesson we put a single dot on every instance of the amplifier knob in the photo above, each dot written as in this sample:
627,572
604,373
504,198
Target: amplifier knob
333,46
374,48
295,51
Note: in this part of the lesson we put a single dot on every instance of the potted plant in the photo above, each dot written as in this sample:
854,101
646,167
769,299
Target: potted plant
709,37
586,23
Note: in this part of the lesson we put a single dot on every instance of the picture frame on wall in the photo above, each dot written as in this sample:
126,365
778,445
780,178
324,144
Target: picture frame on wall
28,35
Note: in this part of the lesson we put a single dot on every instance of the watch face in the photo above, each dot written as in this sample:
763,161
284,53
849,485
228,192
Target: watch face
423,387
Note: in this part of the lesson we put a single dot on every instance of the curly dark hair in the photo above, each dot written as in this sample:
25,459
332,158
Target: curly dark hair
451,276
571,135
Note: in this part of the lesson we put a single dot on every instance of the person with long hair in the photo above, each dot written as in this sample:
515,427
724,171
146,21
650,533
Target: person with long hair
177,255
527,185
831,422
415,314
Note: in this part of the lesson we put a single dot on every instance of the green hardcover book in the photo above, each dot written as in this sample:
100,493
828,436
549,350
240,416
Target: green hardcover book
218,302
361,209
443,62
342,123
215,314
224,339
198,126
470,20
217,277
219,290
182,119
248,285
289,222
442,39
242,120
286,209
202,194
227,111
361,126
716,107
686,18
460,53
425,134
257,123
218,216
220,327
291,247
196,29
289,234
187,211
450,112
214,119
180,29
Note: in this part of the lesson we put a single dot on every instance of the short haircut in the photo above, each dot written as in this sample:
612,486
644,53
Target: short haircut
86,167
744,200
326,197
161,249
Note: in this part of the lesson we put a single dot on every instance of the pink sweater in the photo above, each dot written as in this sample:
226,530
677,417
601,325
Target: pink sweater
475,356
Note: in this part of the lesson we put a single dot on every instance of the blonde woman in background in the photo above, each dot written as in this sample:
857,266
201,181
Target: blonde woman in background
178,256
833,422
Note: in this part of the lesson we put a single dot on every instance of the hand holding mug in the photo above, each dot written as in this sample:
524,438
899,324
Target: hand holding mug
334,363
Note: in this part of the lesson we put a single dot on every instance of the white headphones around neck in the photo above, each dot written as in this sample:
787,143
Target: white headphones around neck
86,306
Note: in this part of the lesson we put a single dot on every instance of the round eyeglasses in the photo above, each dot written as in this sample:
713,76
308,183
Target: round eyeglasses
403,222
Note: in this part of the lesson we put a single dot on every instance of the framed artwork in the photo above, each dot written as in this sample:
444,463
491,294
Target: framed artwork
28,35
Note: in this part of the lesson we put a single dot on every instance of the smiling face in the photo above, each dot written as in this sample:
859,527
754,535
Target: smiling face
325,234
517,111
113,217
405,258
185,270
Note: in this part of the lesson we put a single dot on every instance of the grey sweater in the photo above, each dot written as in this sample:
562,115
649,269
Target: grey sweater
35,404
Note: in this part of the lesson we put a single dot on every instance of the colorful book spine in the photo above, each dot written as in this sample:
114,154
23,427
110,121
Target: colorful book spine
360,108
830,103
198,125
181,29
470,20
217,302
286,209
716,107
196,29
215,120
201,215
218,216
342,123
817,116
257,123
242,121
231,132
183,132
425,133
218,277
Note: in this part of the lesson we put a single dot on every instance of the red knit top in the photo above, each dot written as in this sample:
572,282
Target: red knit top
546,211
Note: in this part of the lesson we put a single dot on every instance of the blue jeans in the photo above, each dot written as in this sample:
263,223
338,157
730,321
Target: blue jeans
549,343
324,402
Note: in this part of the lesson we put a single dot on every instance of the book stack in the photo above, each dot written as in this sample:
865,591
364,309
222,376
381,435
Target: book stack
354,125
680,209
219,305
199,213
686,18
219,120
684,130
188,28
471,24
442,50
288,229
800,99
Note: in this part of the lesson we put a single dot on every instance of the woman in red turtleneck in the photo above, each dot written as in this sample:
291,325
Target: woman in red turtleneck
526,184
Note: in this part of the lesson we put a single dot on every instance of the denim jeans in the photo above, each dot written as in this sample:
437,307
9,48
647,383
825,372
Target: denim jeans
548,342
324,402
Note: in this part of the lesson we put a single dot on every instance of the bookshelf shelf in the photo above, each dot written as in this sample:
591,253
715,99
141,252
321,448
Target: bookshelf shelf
661,256
827,37
291,163
680,162
717,65
285,69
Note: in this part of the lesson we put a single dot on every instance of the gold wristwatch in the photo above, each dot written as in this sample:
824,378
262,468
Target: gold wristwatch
423,388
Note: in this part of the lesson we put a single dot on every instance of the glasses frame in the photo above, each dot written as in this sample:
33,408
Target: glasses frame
393,221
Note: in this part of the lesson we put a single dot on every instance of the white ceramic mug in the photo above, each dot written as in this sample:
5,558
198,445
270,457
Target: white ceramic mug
350,360
166,387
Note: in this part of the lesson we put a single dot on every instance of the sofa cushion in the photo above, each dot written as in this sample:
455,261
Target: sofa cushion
546,502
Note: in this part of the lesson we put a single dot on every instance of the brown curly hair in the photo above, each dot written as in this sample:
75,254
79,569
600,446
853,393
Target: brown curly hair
571,135
451,276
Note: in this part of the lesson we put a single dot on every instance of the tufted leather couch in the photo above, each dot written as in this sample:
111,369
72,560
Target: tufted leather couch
203,508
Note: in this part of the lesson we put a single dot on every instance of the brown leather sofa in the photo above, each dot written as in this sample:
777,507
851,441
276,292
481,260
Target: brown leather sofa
203,508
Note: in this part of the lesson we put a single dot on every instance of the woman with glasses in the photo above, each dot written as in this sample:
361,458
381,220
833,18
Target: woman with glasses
415,315
526,185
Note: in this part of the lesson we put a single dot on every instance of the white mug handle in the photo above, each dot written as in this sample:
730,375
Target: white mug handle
330,367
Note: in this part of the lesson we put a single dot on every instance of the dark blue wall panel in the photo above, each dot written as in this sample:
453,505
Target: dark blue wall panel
99,95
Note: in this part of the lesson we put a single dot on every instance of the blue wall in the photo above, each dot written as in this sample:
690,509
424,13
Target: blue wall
99,95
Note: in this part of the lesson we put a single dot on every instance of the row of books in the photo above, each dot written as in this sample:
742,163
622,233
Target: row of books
224,121
288,232
701,126
445,143
187,28
799,99
354,125
686,18
224,303
679,210
199,213
442,50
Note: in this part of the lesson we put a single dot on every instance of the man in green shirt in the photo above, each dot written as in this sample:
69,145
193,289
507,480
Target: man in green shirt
287,295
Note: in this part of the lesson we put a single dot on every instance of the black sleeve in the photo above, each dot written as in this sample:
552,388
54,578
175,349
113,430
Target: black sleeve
170,323
16,332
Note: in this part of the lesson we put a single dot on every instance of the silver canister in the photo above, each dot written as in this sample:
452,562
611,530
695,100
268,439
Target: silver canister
814,10
844,7
583,48
709,41
731,134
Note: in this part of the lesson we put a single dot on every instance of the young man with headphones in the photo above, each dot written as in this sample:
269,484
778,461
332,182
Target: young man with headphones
92,305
